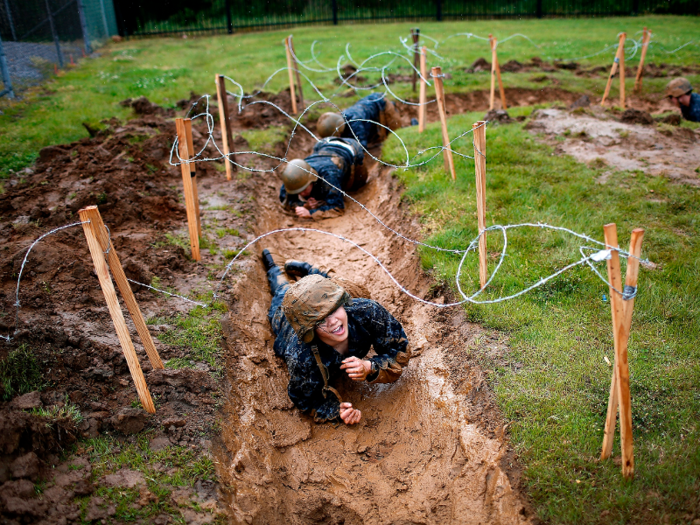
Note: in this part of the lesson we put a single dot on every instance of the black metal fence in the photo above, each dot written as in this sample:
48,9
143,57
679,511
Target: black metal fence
39,36
151,17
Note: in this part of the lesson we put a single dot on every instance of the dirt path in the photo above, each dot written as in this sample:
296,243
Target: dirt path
420,455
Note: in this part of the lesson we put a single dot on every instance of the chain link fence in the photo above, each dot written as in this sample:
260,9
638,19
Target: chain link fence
39,37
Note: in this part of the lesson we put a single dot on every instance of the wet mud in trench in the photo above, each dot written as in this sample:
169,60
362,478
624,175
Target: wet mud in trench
429,448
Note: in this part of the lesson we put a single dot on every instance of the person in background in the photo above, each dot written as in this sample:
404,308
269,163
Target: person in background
681,94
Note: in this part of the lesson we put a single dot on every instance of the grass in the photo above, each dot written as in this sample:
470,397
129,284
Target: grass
167,69
198,331
68,410
264,140
552,383
20,373
166,470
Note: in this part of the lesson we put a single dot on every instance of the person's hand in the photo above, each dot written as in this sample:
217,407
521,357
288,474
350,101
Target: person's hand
349,415
312,203
357,369
302,212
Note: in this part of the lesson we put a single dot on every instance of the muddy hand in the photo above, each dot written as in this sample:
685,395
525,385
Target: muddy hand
349,415
302,212
312,203
357,369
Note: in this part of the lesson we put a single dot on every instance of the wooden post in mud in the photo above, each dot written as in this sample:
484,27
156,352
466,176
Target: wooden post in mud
290,69
188,182
91,227
479,132
618,63
423,108
496,73
436,73
415,35
622,307
296,71
225,120
193,174
640,70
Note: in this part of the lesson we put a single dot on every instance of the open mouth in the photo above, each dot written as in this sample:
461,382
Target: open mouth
339,330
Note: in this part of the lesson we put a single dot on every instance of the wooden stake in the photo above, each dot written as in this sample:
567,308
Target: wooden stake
290,69
188,182
193,174
415,34
440,95
479,131
98,259
615,66
92,214
296,71
640,69
492,94
225,120
423,108
623,36
494,57
622,318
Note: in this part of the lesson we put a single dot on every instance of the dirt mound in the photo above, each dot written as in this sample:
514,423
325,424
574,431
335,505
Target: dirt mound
599,137
480,64
512,66
583,102
498,116
635,116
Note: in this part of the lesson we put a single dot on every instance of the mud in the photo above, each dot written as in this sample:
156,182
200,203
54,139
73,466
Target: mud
430,447
620,142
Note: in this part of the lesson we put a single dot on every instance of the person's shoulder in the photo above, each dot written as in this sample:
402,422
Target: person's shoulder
362,306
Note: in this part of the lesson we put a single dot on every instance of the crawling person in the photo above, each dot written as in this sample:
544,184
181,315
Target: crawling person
322,333
351,123
681,94
310,187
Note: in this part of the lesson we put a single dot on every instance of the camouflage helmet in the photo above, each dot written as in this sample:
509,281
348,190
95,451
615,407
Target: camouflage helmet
309,301
297,175
678,87
330,125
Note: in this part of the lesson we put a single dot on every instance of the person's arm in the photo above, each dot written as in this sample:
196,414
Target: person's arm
305,389
289,202
334,206
390,344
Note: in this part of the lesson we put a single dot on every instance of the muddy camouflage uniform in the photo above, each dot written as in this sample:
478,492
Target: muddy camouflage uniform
339,161
692,111
372,108
369,325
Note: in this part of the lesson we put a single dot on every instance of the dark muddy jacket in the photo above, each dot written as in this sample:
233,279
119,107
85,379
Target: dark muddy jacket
368,108
692,112
369,325
333,159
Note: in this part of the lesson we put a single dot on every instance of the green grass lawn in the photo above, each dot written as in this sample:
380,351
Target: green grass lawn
553,381
167,69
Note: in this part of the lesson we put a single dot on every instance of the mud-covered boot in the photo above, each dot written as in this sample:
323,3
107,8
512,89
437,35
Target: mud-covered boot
275,275
301,269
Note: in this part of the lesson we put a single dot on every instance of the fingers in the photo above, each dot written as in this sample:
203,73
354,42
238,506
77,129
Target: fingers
351,416
345,405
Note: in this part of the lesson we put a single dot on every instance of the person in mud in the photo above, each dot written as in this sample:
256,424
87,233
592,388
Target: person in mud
351,123
322,332
310,187
681,94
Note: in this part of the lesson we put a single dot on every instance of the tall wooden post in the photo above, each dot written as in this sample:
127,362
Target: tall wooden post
296,71
640,70
622,308
188,182
225,120
193,174
423,108
479,132
290,69
415,35
619,56
91,227
440,95
496,74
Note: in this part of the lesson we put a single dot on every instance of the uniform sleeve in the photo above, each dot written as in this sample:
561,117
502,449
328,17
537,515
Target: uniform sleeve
390,344
289,202
334,205
305,389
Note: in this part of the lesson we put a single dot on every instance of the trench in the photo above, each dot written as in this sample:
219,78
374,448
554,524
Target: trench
424,451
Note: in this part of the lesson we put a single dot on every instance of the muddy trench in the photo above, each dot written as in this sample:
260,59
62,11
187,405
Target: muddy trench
429,448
